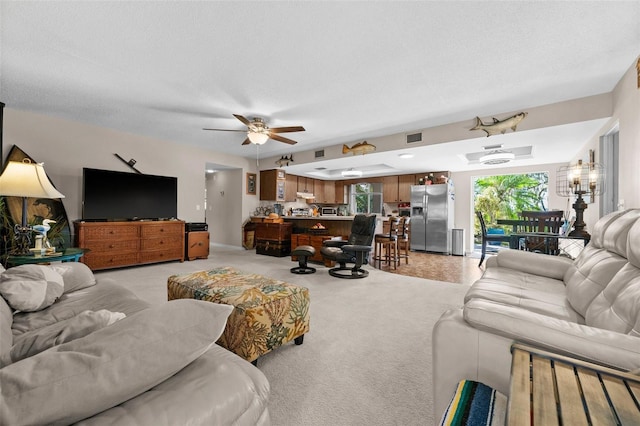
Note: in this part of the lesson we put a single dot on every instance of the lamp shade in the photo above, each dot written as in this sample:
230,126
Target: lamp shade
258,138
26,180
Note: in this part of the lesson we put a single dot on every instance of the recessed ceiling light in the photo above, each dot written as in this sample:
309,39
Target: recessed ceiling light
405,155
211,171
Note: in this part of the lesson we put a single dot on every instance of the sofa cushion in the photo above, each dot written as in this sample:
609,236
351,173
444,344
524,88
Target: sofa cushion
605,255
30,288
6,337
106,295
76,275
591,271
119,362
617,307
539,294
32,343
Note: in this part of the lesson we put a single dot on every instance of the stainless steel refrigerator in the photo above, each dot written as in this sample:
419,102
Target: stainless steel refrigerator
432,217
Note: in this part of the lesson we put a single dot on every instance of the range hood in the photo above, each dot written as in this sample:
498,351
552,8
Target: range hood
305,195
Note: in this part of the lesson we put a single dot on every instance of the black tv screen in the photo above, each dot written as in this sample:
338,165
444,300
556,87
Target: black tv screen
110,195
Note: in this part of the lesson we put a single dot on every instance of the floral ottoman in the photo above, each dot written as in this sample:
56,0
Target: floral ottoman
267,314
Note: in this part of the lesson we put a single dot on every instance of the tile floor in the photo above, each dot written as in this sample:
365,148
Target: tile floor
453,269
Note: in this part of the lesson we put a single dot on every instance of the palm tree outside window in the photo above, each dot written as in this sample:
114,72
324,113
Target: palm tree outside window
366,198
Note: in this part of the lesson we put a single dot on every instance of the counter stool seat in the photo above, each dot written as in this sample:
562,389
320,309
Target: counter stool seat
303,253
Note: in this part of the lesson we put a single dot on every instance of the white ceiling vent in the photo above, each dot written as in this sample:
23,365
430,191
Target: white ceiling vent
414,138
319,154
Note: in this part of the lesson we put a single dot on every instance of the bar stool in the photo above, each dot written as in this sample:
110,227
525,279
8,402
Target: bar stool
386,245
403,239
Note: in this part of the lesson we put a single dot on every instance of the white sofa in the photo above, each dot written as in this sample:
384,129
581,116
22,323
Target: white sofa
588,308
92,354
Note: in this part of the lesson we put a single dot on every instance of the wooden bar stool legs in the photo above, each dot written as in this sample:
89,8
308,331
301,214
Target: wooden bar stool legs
386,249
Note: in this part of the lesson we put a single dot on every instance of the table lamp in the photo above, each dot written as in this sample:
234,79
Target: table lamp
580,179
25,179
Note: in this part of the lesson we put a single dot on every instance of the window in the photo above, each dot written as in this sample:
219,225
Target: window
366,198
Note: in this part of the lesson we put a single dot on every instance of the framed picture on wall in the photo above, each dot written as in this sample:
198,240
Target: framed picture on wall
251,183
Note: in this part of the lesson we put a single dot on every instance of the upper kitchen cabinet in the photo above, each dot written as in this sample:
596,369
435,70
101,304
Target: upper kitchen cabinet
338,196
272,185
390,189
290,187
305,184
404,187
324,191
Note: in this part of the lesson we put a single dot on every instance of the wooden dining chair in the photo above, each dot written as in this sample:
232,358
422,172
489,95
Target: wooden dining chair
487,238
542,221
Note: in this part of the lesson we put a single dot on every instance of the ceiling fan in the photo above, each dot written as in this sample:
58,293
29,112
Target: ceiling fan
258,133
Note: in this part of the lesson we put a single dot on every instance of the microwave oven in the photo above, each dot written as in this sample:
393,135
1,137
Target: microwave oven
329,211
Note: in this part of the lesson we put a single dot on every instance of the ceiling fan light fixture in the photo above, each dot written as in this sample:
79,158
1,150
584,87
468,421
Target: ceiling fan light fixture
497,157
257,138
351,173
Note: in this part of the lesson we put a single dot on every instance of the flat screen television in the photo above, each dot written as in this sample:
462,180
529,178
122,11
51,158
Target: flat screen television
111,195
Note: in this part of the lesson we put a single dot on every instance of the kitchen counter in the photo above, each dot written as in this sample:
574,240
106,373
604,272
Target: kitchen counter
318,217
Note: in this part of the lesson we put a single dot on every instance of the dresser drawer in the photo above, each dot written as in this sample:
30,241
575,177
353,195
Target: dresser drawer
120,246
111,232
168,242
161,255
106,261
164,228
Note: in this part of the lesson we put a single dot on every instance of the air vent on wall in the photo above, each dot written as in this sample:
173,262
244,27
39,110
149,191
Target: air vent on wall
320,154
415,137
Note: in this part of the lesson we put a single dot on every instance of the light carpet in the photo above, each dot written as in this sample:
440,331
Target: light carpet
367,357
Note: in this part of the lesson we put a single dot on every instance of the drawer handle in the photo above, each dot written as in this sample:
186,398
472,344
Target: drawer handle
110,245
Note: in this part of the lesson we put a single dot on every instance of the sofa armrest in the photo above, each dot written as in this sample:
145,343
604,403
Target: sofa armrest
532,263
581,341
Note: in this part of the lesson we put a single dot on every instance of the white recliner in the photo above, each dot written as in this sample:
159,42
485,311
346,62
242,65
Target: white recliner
588,308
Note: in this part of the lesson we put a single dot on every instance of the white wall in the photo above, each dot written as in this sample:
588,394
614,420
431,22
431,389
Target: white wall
224,206
626,113
67,146
464,207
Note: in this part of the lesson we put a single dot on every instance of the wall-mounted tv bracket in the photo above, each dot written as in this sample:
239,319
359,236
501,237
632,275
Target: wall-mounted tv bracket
129,163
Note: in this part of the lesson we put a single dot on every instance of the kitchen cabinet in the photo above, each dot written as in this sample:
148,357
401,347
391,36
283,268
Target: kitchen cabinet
329,192
272,185
305,184
404,187
309,240
290,187
339,192
390,189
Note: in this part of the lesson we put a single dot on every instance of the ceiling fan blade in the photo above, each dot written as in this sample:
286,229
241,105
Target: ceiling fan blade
244,120
226,130
246,142
286,129
282,139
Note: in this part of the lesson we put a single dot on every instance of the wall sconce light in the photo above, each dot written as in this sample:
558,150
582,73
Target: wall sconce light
580,179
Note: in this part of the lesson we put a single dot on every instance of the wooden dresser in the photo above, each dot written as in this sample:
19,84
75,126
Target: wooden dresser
116,244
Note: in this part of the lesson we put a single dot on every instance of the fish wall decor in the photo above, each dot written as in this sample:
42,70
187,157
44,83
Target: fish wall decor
284,160
499,126
359,148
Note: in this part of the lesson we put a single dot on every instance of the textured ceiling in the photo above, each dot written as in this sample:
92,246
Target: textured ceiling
346,71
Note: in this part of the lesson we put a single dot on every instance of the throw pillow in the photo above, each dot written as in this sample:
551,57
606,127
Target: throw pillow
83,377
76,275
30,288
30,344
